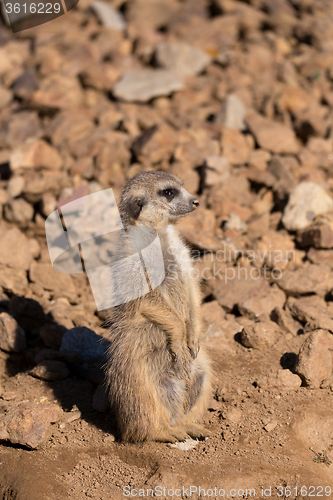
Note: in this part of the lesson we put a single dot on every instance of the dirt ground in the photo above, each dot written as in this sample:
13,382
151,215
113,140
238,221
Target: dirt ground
82,459
236,98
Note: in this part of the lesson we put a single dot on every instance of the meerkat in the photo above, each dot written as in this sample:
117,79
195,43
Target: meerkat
158,378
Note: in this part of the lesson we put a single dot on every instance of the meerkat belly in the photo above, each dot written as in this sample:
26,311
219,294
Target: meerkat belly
179,271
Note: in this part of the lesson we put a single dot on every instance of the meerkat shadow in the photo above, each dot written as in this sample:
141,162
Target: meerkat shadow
76,390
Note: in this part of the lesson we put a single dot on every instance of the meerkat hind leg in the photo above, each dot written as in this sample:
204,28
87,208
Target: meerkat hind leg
195,405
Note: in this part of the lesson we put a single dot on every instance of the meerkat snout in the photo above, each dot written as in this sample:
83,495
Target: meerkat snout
196,203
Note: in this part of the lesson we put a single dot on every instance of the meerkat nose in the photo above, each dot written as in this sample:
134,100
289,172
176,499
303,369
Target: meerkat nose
195,202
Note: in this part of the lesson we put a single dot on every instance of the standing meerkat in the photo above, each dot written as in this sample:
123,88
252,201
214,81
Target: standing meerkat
158,377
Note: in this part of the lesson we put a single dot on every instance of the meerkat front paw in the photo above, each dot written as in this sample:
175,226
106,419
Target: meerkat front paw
192,338
194,347
176,352
175,356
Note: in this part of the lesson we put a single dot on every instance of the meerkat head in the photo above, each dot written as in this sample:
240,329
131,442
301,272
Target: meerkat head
155,199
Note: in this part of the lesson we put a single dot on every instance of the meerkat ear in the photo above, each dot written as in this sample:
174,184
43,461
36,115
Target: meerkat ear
135,206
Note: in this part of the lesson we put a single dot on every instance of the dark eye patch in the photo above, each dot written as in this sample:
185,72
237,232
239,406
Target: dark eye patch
168,193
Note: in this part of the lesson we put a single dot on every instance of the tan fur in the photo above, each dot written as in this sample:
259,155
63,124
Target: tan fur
158,377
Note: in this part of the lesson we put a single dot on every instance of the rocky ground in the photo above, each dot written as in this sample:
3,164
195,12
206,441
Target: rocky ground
236,98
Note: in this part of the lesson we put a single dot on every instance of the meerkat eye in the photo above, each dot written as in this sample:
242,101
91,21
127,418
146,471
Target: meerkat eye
169,193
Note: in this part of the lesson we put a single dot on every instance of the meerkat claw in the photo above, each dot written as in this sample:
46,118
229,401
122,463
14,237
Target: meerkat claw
175,357
194,352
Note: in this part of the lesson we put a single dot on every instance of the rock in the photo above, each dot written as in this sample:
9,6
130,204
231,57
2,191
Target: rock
313,121
258,226
260,177
14,238
232,289
313,311
68,126
49,279
51,334
227,207
270,426
28,312
49,202
318,235
274,250
60,314
262,303
234,416
143,85
26,84
186,445
13,281
44,354
12,336
35,154
38,182
100,76
15,186
50,370
215,36
285,321
27,423
281,169
282,380
217,170
306,201
194,145
259,159
307,279
18,210
232,113
306,308
5,97
155,144
4,197
260,335
151,15
271,135
6,63
108,16
58,92
235,146
71,416
214,317
314,362
21,127
101,402
83,167
214,405
90,346
235,223
295,100
181,57
192,229
321,257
